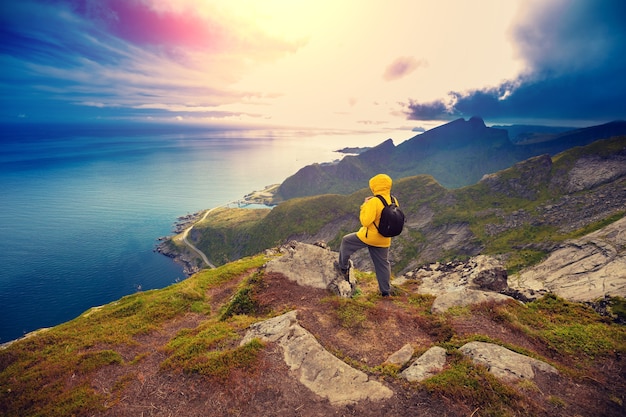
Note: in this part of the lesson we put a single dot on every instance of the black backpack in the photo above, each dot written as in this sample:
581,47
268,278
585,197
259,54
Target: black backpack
391,218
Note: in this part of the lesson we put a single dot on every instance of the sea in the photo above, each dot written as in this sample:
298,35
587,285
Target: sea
82,206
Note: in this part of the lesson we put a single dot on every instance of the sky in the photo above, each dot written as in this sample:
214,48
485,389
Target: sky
348,64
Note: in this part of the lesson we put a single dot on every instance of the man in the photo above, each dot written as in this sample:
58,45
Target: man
368,235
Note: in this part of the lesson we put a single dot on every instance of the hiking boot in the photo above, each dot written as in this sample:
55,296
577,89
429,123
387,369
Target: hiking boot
344,272
393,291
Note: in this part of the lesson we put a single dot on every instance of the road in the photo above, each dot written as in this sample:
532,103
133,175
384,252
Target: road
191,246
206,213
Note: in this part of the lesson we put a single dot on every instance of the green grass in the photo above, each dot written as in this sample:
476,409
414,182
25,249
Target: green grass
243,302
34,371
219,364
572,329
473,385
207,351
618,308
351,313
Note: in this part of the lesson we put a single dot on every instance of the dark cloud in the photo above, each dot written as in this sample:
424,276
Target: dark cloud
576,55
435,110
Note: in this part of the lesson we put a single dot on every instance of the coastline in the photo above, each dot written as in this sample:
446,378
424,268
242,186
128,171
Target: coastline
257,199
264,198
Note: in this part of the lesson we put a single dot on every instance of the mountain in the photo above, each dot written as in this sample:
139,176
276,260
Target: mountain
456,154
521,133
521,212
254,337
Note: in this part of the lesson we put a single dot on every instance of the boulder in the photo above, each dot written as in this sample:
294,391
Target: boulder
401,357
427,365
315,367
504,363
583,269
313,266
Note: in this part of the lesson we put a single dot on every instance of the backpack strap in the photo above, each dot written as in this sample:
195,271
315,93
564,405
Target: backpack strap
393,200
381,198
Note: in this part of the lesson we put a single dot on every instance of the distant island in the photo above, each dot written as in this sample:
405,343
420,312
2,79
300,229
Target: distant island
353,150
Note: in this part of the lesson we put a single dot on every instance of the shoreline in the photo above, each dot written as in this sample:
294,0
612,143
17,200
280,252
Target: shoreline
265,198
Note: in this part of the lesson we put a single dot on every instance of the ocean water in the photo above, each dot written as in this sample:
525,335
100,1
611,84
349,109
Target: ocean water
82,207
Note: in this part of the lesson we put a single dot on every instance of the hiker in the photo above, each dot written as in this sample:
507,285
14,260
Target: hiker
368,235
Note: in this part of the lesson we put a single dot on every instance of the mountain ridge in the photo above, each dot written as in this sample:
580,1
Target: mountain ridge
456,154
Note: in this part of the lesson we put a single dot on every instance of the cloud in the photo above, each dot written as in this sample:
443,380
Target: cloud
124,54
402,67
576,60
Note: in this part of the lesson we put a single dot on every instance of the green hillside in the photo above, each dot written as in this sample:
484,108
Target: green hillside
528,189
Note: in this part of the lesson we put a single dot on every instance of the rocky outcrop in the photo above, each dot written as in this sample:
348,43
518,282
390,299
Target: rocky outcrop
401,357
313,266
465,297
477,280
522,179
593,170
582,269
459,283
315,367
504,363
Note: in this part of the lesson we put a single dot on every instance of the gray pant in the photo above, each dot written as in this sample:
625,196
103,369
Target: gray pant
380,257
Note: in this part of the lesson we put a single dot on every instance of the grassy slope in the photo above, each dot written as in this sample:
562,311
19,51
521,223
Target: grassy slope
55,372
36,370
238,232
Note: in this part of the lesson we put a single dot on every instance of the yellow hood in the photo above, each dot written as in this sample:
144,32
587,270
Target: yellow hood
380,184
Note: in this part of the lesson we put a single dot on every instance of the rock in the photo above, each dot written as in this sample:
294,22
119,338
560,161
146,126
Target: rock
461,283
583,269
491,279
504,363
592,170
480,272
313,266
401,357
315,367
427,365
465,297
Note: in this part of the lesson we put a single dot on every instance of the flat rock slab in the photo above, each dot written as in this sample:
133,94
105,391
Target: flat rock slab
315,367
427,365
583,269
504,363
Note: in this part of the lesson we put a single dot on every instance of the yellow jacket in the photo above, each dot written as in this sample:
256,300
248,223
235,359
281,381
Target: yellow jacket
371,210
